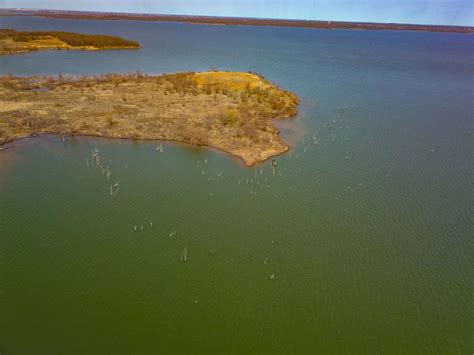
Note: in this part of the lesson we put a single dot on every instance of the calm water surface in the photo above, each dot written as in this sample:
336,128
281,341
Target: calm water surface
367,234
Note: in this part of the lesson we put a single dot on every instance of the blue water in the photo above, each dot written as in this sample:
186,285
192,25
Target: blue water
368,234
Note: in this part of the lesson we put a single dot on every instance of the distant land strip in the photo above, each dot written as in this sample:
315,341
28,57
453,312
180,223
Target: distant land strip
245,21
16,42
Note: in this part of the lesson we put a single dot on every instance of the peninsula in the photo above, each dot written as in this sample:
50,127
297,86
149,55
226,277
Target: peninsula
16,42
231,111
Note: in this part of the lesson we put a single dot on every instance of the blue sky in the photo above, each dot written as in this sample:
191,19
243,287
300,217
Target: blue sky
443,12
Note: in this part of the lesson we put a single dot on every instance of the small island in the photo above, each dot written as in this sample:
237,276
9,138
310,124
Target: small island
16,42
231,111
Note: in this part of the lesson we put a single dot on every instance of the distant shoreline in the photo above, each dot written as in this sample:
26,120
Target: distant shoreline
210,20
18,42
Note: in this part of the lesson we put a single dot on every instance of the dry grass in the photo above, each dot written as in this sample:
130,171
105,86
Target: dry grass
226,110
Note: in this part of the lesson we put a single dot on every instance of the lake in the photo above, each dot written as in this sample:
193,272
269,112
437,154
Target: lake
360,242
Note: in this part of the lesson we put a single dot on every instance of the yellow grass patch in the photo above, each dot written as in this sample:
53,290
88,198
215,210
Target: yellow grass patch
238,81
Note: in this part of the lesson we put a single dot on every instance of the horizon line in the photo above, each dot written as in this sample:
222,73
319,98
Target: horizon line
131,14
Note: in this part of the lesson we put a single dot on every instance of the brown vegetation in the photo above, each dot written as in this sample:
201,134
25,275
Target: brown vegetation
226,110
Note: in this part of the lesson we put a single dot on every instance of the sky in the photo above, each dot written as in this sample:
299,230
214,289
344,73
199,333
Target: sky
440,12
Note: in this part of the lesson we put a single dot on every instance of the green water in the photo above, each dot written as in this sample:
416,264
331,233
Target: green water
360,244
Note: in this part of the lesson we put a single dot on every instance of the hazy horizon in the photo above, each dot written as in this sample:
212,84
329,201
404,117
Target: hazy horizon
435,12
229,16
